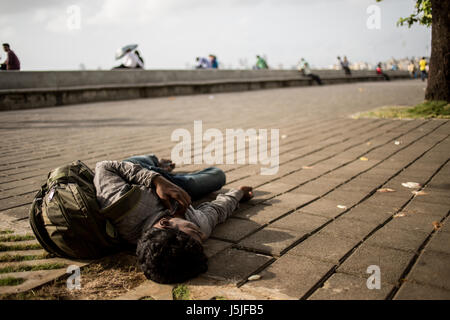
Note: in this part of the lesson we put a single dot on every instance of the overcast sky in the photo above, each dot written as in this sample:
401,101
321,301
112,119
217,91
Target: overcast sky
171,33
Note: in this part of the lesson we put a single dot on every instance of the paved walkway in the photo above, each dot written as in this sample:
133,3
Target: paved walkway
336,206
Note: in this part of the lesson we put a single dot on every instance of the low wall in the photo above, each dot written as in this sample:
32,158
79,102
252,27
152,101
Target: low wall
38,89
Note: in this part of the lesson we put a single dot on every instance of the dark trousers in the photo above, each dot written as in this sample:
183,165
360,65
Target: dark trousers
196,184
347,71
316,78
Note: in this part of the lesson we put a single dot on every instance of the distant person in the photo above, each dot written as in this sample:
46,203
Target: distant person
213,61
202,63
303,67
261,63
131,61
345,65
412,69
11,62
380,72
423,68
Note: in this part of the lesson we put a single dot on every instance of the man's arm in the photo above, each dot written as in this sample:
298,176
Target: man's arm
209,214
112,179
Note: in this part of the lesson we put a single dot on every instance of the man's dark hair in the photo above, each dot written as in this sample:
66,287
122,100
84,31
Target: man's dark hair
170,256
6,45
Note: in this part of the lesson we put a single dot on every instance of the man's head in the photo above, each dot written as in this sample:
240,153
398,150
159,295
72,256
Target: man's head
171,251
6,47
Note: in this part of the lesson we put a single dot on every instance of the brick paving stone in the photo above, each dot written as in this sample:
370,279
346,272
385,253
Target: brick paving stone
432,268
262,214
272,241
326,207
292,275
392,262
392,237
341,286
300,221
318,187
370,213
291,200
411,220
213,246
416,291
234,229
349,228
235,265
440,242
324,247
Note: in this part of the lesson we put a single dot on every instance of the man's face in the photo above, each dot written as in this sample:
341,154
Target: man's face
6,48
182,225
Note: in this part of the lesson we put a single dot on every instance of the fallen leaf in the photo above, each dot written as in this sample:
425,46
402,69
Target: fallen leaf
419,193
411,185
437,225
385,190
337,290
307,167
172,98
399,215
363,159
397,142
341,206
254,277
283,136
369,143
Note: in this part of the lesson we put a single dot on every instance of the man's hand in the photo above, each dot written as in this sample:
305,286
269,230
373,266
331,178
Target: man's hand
248,193
166,191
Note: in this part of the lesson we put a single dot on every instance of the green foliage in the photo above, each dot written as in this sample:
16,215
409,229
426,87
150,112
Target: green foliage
425,110
422,15
11,281
181,292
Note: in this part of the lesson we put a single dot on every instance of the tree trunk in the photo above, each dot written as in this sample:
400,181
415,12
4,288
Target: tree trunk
439,74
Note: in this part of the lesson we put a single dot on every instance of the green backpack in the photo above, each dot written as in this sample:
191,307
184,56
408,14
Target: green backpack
67,220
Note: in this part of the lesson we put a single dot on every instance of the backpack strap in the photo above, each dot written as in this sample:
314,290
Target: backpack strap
119,209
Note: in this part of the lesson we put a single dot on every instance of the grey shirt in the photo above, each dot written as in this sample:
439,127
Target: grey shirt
114,178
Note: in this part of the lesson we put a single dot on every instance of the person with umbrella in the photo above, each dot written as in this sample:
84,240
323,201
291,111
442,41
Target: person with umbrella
131,60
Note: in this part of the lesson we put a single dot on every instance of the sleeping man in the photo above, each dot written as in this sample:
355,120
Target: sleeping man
167,230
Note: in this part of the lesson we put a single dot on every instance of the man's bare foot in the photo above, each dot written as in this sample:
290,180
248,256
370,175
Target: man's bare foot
166,164
248,192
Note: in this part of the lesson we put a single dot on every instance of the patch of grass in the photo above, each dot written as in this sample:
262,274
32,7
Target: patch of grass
18,257
13,238
23,268
425,110
6,231
181,292
20,247
11,281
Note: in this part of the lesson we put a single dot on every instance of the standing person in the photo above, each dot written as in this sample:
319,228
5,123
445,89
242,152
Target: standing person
213,61
380,72
12,61
412,69
261,63
423,68
345,65
303,67
202,63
